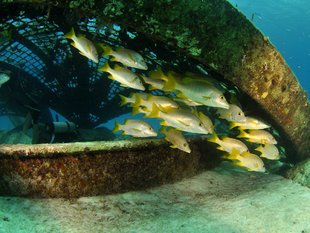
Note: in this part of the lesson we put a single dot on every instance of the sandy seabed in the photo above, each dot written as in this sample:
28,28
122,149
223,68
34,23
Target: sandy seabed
223,200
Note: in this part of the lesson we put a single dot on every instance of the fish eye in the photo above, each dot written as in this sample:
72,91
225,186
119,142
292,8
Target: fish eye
184,144
200,124
221,97
239,114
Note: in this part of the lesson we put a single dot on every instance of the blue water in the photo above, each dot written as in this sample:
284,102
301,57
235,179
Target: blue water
286,23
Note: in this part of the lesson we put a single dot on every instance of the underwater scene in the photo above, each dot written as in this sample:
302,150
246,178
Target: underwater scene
155,116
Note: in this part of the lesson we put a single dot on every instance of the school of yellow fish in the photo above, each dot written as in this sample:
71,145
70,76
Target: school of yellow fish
179,113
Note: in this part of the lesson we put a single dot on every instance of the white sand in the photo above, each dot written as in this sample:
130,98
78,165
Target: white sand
225,200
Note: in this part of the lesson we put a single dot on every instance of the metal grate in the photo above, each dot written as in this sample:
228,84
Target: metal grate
47,71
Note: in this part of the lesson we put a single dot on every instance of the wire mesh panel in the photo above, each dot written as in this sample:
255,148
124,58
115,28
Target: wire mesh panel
49,72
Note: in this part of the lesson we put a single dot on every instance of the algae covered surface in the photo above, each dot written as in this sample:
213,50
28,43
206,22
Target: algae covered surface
224,199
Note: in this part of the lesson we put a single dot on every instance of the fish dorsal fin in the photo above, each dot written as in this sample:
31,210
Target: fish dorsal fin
183,123
195,111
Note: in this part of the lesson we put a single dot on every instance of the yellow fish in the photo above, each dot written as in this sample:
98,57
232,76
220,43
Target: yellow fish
198,90
126,77
127,57
233,113
228,144
132,98
248,160
269,151
179,119
161,101
176,138
159,75
206,121
250,123
258,136
136,128
154,84
85,46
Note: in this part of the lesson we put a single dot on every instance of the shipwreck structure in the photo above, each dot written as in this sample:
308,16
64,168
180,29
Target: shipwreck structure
201,35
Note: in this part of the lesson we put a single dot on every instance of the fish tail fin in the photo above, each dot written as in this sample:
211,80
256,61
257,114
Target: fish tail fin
107,50
105,67
117,127
138,101
259,148
124,99
135,110
242,134
234,155
152,87
70,35
157,74
213,138
162,130
232,125
170,83
155,112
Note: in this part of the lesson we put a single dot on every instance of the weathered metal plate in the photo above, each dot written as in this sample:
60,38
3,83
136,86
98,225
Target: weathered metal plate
96,168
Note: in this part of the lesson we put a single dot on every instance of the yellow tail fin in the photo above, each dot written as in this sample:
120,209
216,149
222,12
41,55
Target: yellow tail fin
70,34
124,100
138,101
107,50
135,110
232,125
158,74
170,83
214,138
155,112
162,130
242,134
105,67
116,127
234,155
